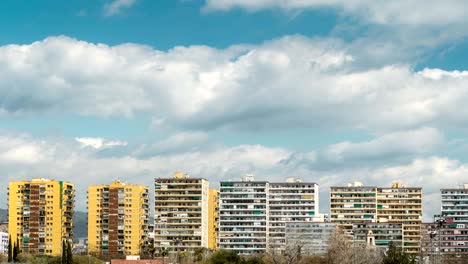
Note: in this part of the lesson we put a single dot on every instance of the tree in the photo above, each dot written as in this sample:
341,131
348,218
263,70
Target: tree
16,251
10,250
292,255
64,252
224,257
395,255
69,253
342,250
164,252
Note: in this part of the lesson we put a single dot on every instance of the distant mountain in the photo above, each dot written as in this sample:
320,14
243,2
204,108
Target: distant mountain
3,215
81,224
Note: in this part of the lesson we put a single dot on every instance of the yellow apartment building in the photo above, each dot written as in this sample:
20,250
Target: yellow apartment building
118,216
41,215
213,214
181,213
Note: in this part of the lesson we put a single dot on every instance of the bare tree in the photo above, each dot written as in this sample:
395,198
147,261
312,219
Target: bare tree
341,250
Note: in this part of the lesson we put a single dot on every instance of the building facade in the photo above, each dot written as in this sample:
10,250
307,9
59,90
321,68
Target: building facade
453,239
243,216
455,204
291,201
402,205
118,219
4,243
311,237
41,215
181,213
398,204
378,234
213,215
353,204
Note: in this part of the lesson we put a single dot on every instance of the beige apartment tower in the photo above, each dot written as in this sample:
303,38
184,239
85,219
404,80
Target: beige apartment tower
402,205
41,215
118,219
181,213
360,205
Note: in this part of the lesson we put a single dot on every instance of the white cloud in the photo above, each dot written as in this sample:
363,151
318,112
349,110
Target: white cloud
397,144
99,143
19,150
66,160
116,6
293,81
411,12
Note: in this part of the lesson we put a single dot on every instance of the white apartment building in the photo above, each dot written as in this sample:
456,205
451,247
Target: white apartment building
311,237
253,214
243,216
289,202
455,204
3,243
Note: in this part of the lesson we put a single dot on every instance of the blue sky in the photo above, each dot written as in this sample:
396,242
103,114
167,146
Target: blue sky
331,92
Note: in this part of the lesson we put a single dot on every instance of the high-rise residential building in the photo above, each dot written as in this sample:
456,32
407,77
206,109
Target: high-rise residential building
243,216
403,205
449,240
291,201
181,213
213,215
41,215
311,237
4,243
357,204
453,239
455,204
353,204
118,218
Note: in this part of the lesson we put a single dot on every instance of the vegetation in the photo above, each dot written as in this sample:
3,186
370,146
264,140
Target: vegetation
395,255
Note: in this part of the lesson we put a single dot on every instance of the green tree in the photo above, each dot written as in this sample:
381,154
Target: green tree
395,255
10,250
64,252
225,257
15,251
69,253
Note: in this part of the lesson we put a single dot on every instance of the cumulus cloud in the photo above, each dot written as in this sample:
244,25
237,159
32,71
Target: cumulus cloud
115,7
66,159
292,81
410,12
99,143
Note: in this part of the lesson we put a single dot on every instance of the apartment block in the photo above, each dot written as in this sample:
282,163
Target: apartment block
181,213
353,204
357,204
291,201
312,237
4,243
243,216
454,233
41,215
378,234
213,215
403,205
451,239
118,219
455,204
